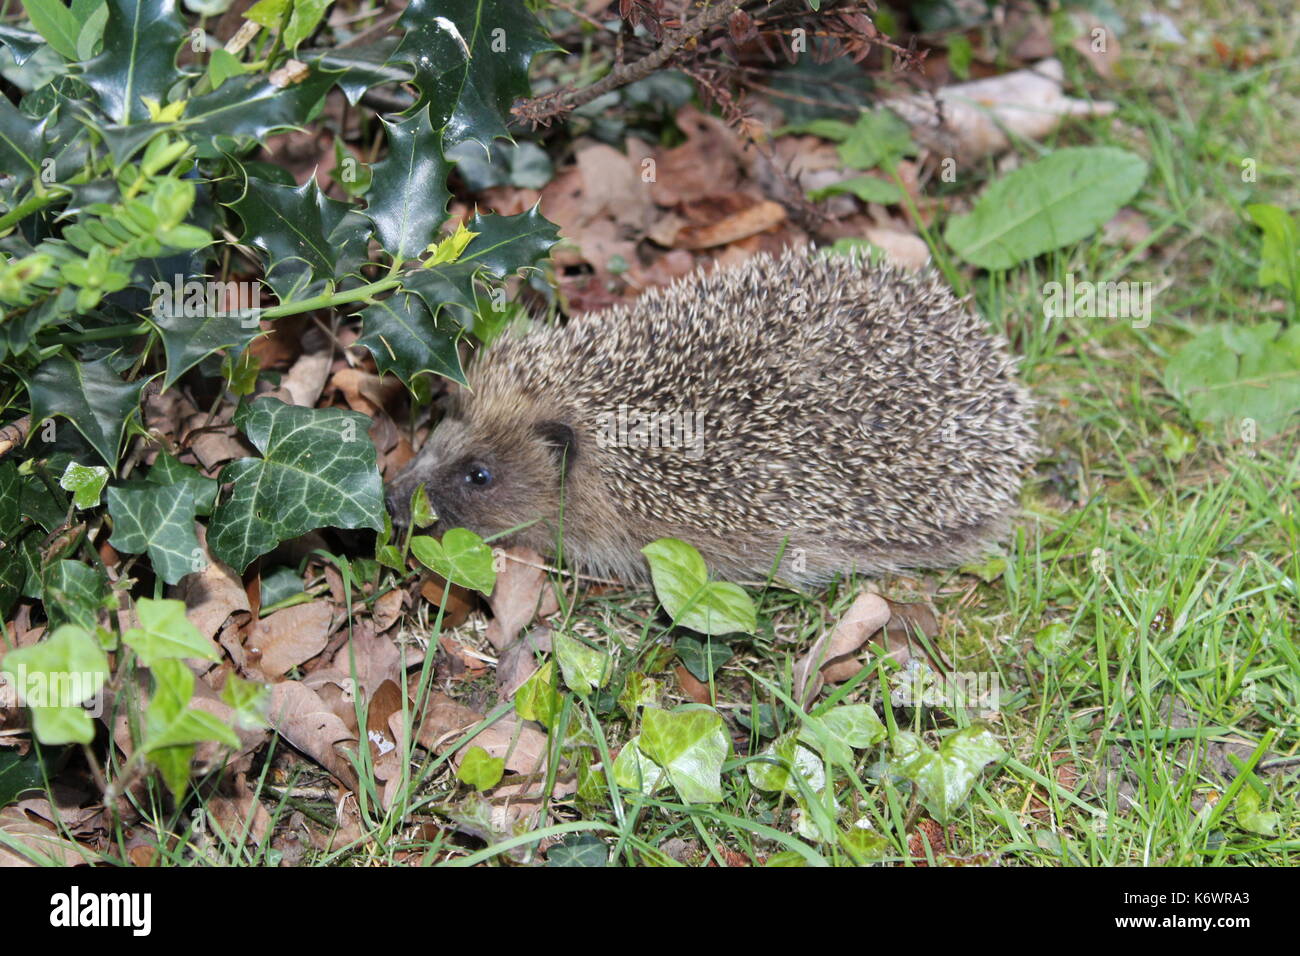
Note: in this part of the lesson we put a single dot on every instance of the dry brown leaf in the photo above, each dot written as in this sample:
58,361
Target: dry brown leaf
42,841
290,636
836,649
388,608
459,602
757,218
301,717
520,594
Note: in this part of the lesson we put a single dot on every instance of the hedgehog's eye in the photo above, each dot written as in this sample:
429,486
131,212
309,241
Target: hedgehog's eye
478,475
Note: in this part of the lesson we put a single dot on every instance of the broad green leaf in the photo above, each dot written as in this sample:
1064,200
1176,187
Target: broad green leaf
461,557
73,592
578,850
1045,205
317,470
878,138
172,727
480,769
638,691
92,26
1279,250
1239,374
20,774
167,470
690,743
222,66
1251,816
471,60
944,777
635,771
837,131
54,677
249,700
269,13
783,758
165,632
90,395
56,24
141,40
538,698
21,143
304,20
11,515
584,668
866,188
196,330
702,658
407,199
690,598
86,482
159,520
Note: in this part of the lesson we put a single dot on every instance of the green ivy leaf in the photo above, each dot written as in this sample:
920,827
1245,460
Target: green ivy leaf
318,469
480,769
702,659
538,698
88,394
462,557
158,519
165,632
73,592
866,188
249,700
1045,205
19,774
1279,250
86,482
682,583
638,691
1251,816
407,200
54,678
172,727
141,39
1230,373
878,138
784,758
167,470
304,20
944,777
690,743
584,668
635,771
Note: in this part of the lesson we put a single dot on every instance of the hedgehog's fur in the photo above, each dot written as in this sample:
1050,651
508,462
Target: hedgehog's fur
855,418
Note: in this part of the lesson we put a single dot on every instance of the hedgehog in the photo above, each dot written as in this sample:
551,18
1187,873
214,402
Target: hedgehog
794,418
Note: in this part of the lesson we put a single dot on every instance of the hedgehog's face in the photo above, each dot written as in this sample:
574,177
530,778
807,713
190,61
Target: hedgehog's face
489,477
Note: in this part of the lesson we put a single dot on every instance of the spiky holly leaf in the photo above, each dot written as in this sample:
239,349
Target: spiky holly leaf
253,106
408,193
88,394
360,68
141,39
22,43
406,338
158,519
471,62
506,244
20,138
317,469
198,328
307,237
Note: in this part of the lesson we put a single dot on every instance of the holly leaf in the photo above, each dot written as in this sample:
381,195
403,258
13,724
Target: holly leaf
408,192
506,244
88,394
141,39
196,332
158,519
318,469
471,60
406,339
20,139
359,68
252,106
304,234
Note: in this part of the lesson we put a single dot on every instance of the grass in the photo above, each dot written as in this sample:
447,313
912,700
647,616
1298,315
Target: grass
1142,631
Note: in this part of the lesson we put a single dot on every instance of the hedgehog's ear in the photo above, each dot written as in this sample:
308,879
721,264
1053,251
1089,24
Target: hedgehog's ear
561,440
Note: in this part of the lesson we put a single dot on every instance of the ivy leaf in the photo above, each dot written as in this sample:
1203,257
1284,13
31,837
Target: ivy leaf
1279,249
866,188
141,39
494,43
88,394
690,743
317,470
538,698
944,777
480,769
786,759
584,668
1251,815
72,592
1045,205
166,633
878,138
702,659
304,20
158,519
172,727
506,244
303,233
167,470
682,584
635,771
1236,373
408,193
54,678
461,557
86,482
